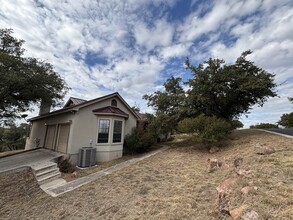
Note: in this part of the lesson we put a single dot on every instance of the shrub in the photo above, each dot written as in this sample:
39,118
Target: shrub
139,140
206,129
132,142
65,166
263,125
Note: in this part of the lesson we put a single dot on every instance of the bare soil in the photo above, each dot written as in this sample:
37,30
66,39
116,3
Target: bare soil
175,184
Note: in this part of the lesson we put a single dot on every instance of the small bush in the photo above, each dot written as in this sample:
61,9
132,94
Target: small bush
139,141
132,142
65,166
206,129
263,125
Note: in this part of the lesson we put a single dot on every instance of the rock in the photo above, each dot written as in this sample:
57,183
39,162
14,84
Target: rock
235,213
238,162
224,186
74,174
243,172
223,203
251,215
225,165
266,151
214,164
214,149
247,189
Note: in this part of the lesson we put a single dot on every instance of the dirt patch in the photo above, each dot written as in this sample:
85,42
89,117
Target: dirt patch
175,184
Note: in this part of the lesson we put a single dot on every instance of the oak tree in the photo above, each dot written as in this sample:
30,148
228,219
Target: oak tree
24,80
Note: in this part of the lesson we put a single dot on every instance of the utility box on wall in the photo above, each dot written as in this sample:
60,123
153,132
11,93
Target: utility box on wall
87,157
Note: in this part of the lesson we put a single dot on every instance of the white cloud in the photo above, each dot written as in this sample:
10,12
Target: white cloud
138,44
159,35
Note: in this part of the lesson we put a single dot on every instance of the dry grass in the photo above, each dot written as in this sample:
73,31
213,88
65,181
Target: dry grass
100,166
175,184
5,153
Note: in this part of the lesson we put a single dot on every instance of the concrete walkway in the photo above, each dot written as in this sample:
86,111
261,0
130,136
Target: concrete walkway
55,191
34,159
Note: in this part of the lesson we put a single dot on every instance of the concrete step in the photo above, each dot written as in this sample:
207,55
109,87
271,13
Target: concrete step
43,173
45,167
53,184
49,178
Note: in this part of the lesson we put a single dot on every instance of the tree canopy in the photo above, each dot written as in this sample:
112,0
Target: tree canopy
24,80
13,138
227,91
168,104
216,90
286,120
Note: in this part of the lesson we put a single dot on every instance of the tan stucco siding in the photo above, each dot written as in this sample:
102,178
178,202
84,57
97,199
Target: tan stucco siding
85,128
38,130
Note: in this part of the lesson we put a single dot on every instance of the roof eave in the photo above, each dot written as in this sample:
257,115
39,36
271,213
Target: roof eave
111,114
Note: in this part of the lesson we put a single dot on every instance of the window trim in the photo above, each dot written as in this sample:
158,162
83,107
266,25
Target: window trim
120,132
98,130
111,130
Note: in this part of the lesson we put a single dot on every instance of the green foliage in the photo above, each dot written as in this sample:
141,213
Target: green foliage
216,89
168,105
286,120
13,137
139,140
263,125
24,80
236,124
206,129
133,143
227,91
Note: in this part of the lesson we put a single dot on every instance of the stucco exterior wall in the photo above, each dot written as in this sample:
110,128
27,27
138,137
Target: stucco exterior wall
38,130
84,130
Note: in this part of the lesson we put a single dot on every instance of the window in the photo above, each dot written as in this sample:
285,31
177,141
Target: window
117,131
103,135
114,103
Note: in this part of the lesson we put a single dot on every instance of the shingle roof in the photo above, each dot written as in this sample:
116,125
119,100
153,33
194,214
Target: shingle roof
73,108
111,110
74,101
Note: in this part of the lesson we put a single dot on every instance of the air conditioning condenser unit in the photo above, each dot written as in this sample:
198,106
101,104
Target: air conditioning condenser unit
87,157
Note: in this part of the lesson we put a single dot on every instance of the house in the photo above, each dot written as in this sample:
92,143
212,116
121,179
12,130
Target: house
101,123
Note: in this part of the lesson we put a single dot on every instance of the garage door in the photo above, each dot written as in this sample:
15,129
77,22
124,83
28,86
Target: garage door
50,137
63,135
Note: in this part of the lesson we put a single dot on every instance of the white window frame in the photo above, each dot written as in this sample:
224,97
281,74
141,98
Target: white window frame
111,130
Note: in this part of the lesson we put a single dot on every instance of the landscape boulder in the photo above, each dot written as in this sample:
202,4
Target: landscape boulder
248,189
251,215
214,149
235,213
238,161
226,185
243,172
266,151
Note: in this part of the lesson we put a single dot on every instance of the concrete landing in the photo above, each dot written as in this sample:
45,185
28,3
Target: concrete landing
34,159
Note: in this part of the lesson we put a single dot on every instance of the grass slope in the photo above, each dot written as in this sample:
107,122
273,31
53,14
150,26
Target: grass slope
175,184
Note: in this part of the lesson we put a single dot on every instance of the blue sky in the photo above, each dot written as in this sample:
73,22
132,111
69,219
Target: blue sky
132,46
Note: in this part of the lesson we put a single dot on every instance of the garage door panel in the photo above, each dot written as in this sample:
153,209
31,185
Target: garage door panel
63,135
50,137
